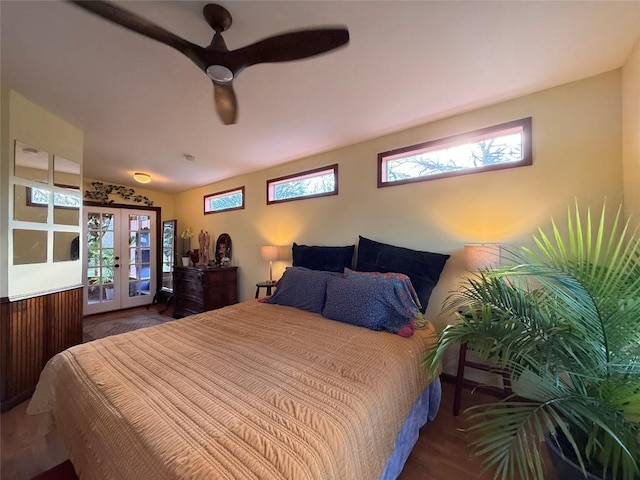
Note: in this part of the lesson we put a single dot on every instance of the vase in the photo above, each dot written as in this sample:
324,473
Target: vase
185,261
195,256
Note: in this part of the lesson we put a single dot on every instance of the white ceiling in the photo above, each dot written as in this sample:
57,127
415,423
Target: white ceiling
143,105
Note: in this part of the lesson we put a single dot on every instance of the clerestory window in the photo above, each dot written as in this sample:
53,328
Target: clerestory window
500,146
319,182
224,201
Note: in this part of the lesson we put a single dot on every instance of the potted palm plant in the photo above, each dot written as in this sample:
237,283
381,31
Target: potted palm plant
564,322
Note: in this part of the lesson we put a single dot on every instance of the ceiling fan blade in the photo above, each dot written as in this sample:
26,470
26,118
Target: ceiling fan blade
131,21
288,46
224,99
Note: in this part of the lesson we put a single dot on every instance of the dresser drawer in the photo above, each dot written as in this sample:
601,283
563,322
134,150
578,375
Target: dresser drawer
219,276
188,288
187,274
197,290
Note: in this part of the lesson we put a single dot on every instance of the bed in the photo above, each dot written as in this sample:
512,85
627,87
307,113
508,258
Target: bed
299,397
322,380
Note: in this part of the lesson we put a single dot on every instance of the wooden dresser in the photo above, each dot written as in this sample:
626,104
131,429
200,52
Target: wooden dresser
197,290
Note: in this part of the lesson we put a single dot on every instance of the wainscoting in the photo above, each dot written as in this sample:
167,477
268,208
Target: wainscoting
32,331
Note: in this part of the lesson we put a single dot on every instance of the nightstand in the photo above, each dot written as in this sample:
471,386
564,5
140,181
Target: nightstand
268,285
462,382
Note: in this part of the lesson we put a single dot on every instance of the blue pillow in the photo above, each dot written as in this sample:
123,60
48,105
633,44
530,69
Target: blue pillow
329,259
423,268
373,303
302,288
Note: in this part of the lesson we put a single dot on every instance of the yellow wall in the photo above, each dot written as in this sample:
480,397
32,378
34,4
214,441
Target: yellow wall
25,121
577,154
631,133
159,199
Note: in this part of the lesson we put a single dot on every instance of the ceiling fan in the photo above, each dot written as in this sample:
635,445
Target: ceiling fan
220,64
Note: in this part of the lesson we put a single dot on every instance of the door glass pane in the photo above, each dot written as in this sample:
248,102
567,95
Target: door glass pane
133,272
101,255
107,239
139,255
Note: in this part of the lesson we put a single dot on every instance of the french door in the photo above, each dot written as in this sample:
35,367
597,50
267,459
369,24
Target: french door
120,258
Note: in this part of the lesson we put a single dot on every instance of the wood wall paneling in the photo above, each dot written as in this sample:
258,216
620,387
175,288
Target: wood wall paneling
33,330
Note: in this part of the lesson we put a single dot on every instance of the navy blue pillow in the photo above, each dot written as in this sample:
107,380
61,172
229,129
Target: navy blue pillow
328,259
302,288
368,302
423,268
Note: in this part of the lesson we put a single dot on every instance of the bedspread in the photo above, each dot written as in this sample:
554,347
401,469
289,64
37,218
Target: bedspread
250,391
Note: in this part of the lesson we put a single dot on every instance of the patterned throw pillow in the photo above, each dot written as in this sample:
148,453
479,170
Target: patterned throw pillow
302,288
371,302
404,289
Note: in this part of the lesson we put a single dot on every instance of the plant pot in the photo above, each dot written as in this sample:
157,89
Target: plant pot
185,261
564,466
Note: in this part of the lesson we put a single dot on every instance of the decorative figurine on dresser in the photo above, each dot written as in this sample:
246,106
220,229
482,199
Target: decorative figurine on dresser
201,288
204,239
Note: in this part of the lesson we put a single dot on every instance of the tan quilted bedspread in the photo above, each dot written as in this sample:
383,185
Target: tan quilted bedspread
251,391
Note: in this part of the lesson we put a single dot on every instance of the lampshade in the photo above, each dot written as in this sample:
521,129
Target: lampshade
269,253
141,177
480,256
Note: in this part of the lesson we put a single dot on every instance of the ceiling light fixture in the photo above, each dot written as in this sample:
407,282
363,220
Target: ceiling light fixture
142,177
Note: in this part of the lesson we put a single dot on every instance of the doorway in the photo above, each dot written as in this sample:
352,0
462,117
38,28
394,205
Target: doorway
120,258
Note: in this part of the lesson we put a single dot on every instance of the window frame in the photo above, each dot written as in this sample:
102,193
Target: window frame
301,176
240,190
454,140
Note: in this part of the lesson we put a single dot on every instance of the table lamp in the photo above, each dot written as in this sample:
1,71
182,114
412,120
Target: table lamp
269,253
482,256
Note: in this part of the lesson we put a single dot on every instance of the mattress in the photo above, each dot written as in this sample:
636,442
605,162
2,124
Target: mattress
250,391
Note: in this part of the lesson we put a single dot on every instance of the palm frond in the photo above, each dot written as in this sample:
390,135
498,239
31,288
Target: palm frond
564,320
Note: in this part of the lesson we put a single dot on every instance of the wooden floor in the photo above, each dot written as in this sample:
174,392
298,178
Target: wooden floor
440,454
